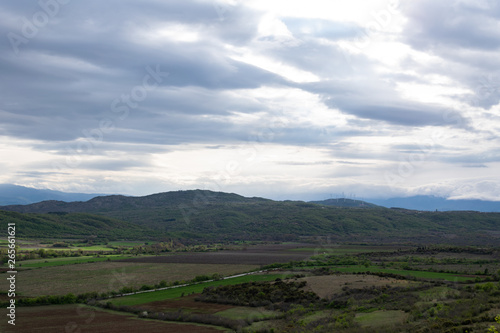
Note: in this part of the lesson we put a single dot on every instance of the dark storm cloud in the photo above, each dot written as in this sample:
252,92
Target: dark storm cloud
63,81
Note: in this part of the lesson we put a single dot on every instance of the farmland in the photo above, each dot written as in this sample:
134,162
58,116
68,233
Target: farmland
79,318
110,276
388,288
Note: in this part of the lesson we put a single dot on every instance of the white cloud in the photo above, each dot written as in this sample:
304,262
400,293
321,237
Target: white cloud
261,98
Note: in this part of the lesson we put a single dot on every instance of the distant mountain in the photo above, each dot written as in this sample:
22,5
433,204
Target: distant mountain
432,203
216,216
20,195
344,202
191,200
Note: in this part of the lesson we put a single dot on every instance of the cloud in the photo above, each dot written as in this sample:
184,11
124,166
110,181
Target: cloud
464,35
294,95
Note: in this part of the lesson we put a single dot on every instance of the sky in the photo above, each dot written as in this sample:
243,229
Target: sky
279,99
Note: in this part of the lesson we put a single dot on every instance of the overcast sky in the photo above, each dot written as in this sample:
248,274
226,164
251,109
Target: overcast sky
280,99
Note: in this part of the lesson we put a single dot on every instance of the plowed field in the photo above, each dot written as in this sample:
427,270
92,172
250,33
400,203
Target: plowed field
72,318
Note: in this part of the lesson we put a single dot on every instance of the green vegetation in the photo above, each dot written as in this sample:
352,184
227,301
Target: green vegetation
221,216
258,294
381,318
417,274
187,290
351,283
38,226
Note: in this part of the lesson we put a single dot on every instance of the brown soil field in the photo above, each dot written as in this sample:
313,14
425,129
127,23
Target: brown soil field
186,303
83,319
225,257
111,276
262,254
328,285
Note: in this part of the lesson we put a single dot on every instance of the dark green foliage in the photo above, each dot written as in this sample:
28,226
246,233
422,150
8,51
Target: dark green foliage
217,216
259,294
73,225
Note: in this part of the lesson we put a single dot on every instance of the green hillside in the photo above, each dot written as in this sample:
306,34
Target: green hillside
31,225
344,202
206,215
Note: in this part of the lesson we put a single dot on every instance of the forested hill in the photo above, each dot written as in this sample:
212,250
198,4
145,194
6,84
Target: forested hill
209,215
112,203
344,202
73,225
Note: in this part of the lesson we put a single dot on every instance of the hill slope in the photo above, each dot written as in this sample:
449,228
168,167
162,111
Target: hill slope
206,215
75,225
113,203
344,202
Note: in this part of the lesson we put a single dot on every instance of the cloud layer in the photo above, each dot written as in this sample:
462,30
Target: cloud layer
379,98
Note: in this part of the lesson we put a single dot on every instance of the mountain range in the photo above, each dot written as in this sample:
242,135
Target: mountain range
20,195
432,203
198,215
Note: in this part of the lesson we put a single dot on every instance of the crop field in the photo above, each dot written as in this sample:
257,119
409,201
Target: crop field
388,288
189,304
223,258
49,262
345,249
381,318
191,289
327,285
417,274
250,255
111,276
184,303
79,318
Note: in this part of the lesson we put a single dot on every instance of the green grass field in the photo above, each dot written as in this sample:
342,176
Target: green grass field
380,318
125,244
418,274
197,288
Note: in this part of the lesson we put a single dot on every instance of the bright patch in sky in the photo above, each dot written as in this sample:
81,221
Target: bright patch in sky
277,98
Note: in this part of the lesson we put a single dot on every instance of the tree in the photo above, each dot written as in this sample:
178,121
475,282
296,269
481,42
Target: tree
492,328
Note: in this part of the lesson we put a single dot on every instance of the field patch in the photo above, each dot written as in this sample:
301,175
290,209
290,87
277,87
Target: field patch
80,318
172,293
418,274
327,285
111,276
36,263
242,312
186,303
381,318
225,258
